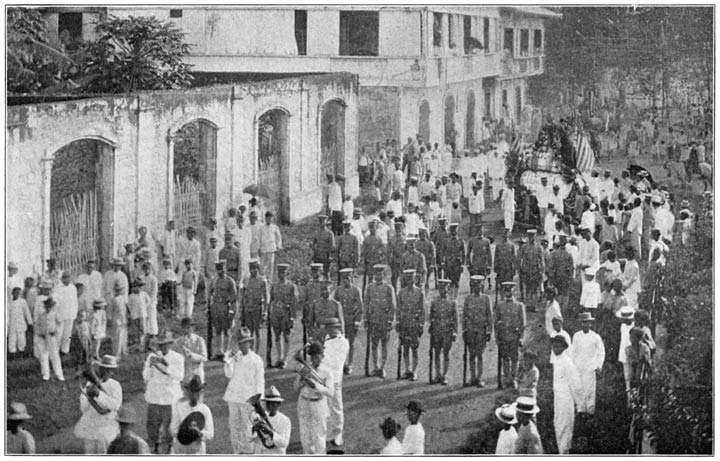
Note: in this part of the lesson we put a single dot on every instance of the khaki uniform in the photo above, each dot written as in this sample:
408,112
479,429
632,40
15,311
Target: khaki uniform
477,321
509,325
379,315
396,248
233,259
320,310
352,306
283,306
443,323
480,256
411,315
505,263
532,266
254,298
415,260
454,258
374,251
324,248
348,249
440,238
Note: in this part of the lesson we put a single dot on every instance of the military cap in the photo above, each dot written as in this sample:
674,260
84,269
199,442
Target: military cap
454,225
443,282
283,267
254,262
508,284
477,278
213,238
316,266
379,267
442,219
347,271
410,239
229,235
532,231
409,272
346,222
332,322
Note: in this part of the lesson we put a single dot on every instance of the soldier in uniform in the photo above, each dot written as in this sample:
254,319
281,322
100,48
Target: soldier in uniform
254,302
374,252
477,327
413,259
232,256
350,298
321,309
222,296
479,255
454,259
282,310
396,248
425,246
312,292
379,316
348,249
532,267
505,262
439,238
443,329
410,321
560,270
323,245
509,326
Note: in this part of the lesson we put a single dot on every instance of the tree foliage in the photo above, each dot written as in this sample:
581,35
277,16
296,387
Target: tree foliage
137,53
34,65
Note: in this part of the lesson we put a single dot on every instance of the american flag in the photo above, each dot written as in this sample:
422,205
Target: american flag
584,155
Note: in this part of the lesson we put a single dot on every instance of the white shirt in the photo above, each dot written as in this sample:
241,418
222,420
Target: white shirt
566,379
636,218
590,295
589,254
348,207
588,220
413,196
94,426
412,221
356,230
624,340
506,441
169,243
557,200
335,200
393,447
189,249
270,238
543,196
414,441
395,206
164,388
552,311
664,221
247,377
476,203
67,302
93,284
282,427
508,200
336,351
587,350
181,409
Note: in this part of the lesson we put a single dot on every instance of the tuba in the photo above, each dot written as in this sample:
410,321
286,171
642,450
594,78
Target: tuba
90,384
261,423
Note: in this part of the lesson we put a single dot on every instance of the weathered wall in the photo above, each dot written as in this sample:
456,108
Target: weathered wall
140,128
379,115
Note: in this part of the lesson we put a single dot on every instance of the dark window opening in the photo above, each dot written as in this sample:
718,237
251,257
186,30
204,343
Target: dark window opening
509,41
301,31
451,31
537,40
524,42
174,14
70,29
437,29
486,34
518,103
467,34
359,33
488,105
504,100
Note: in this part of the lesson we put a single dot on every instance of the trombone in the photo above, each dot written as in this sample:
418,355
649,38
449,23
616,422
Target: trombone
314,377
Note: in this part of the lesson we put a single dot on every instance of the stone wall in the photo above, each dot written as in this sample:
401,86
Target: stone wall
138,129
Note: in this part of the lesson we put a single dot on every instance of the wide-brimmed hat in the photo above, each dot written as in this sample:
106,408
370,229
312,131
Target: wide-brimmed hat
316,266
443,282
477,278
117,262
18,412
273,395
165,338
526,405
585,316
379,267
195,384
107,361
506,414
243,335
625,312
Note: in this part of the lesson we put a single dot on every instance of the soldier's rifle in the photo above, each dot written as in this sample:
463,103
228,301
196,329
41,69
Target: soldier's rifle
367,349
465,360
430,362
399,354
268,354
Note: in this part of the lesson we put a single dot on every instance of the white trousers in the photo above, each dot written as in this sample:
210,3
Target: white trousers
95,447
240,428
336,417
120,340
312,416
564,420
509,218
65,332
16,340
587,391
186,302
48,352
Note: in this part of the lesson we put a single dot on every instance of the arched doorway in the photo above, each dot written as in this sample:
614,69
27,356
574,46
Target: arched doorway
332,138
272,154
450,133
424,121
194,173
81,204
470,121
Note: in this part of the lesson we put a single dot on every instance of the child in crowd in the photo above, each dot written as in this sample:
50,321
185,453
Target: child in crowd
626,314
137,307
508,435
390,430
188,288
30,294
18,441
414,440
98,326
151,288
557,324
84,301
591,293
638,359
84,337
167,280
118,317
18,319
528,375
642,321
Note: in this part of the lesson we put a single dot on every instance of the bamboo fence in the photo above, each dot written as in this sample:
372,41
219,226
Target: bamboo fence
74,233
188,203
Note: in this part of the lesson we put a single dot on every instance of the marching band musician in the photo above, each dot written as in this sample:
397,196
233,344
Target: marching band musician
337,347
191,403
193,347
97,426
279,422
162,373
315,384
246,372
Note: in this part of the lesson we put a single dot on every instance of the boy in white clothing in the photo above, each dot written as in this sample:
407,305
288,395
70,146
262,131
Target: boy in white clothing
414,440
591,293
18,320
186,291
508,436
167,281
98,326
137,307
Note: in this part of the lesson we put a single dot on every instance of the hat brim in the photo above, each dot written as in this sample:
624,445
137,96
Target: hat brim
104,365
19,417
273,399
534,411
497,415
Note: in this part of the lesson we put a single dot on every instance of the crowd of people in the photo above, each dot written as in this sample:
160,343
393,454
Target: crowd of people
607,245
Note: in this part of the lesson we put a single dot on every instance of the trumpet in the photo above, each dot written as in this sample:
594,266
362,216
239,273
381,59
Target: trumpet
306,368
261,423
90,386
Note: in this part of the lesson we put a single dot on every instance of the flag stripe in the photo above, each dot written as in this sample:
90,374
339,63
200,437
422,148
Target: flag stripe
585,158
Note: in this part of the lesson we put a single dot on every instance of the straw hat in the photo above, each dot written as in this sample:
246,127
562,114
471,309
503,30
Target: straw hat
506,414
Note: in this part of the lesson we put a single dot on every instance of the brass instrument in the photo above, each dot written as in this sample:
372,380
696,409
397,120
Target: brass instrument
90,385
306,368
261,423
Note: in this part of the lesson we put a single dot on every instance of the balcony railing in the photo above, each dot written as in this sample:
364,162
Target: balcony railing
522,65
